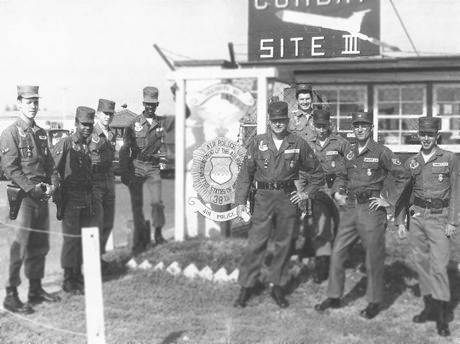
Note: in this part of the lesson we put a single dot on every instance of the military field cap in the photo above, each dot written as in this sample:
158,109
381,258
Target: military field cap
27,91
105,105
303,88
85,114
150,94
428,124
278,110
362,117
321,116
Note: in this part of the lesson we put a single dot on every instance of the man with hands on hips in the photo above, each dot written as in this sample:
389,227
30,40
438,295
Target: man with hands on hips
434,218
272,163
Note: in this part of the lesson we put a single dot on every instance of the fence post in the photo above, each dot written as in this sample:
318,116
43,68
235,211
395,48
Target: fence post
93,286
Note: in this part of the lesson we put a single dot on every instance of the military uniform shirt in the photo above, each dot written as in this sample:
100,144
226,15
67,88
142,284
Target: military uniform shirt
102,148
301,123
26,157
145,140
437,178
332,154
73,161
264,163
367,171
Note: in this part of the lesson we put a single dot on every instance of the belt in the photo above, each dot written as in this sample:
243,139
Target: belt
363,196
275,185
431,203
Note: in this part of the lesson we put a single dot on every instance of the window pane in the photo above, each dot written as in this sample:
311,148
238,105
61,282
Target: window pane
345,123
388,94
412,108
411,93
388,124
346,109
448,93
350,96
410,139
391,138
409,124
388,108
328,95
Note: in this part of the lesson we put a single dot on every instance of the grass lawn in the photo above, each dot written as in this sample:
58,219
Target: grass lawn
154,307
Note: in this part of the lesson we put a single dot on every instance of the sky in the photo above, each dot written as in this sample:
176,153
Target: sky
81,50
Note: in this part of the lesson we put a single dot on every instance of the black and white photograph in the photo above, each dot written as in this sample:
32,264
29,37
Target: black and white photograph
229,171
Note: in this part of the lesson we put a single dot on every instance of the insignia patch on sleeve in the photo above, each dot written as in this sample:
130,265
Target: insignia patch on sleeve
396,161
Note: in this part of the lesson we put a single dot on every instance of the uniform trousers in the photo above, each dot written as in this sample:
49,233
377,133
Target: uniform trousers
30,248
104,205
430,251
275,219
358,222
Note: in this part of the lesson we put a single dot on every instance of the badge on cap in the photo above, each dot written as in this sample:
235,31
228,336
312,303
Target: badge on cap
137,126
262,146
42,137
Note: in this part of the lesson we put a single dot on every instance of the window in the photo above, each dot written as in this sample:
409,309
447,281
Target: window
397,109
446,105
342,100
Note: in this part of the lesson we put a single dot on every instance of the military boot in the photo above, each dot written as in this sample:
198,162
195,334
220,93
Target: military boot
38,295
442,324
14,304
70,283
243,297
427,313
79,280
159,236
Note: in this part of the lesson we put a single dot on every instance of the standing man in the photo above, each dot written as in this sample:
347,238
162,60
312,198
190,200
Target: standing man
330,149
362,215
434,219
27,161
102,148
272,163
301,122
72,157
140,158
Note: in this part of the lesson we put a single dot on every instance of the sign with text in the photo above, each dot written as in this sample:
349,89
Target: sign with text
298,29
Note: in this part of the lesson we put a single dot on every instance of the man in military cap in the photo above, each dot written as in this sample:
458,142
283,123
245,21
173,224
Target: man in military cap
102,148
272,163
330,150
140,157
301,122
362,214
434,218
72,157
27,161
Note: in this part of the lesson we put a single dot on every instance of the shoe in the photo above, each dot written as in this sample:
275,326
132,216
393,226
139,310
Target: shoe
330,302
38,295
321,272
277,294
442,324
14,304
427,313
243,298
370,311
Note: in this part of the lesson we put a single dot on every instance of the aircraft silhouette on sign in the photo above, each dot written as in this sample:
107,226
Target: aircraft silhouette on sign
352,24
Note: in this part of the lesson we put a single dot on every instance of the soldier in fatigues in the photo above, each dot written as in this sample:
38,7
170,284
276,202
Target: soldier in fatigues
301,122
361,215
140,158
434,218
102,148
27,161
330,150
72,157
272,163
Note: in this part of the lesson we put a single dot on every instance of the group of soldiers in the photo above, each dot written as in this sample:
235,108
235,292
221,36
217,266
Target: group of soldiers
77,173
301,164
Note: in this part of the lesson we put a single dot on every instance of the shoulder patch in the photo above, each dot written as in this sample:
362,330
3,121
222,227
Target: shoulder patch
95,139
414,164
396,161
262,147
350,155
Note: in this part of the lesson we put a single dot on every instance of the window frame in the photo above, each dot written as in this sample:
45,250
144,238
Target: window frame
451,147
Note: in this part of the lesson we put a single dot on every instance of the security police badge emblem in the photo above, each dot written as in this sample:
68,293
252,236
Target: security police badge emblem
214,170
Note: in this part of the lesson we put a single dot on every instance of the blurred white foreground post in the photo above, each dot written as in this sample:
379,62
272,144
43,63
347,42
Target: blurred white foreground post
93,286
